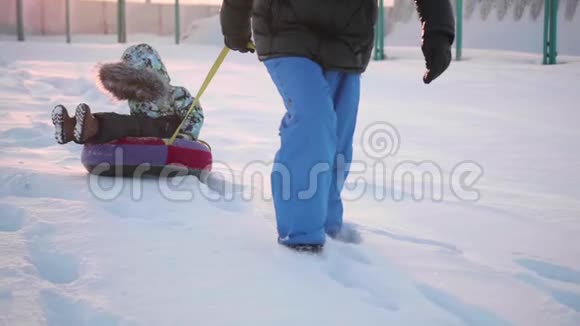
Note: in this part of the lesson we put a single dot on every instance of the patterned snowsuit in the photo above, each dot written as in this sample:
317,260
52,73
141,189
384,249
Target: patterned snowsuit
157,118
177,101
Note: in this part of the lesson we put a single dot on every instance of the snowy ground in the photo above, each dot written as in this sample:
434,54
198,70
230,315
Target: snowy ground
159,254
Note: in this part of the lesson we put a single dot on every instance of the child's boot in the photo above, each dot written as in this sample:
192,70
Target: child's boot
87,126
63,125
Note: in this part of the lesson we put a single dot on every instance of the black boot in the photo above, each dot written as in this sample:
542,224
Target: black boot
64,125
306,248
86,126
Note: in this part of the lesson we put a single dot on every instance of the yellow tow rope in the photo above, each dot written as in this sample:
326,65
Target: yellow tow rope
216,65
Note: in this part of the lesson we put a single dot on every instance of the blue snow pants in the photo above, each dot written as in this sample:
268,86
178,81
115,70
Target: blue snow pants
316,133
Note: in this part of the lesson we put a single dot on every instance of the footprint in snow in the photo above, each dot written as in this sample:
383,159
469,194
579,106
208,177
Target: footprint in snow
469,314
374,292
55,267
360,275
5,294
38,136
11,218
415,240
61,310
551,271
350,252
567,298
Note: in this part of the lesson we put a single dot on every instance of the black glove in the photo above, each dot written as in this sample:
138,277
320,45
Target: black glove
235,18
437,51
239,44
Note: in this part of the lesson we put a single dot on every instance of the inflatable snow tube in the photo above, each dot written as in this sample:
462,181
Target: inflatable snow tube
137,157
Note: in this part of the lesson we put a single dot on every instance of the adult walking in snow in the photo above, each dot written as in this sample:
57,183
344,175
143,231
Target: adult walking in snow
315,52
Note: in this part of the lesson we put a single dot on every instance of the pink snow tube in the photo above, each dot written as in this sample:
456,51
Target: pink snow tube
135,157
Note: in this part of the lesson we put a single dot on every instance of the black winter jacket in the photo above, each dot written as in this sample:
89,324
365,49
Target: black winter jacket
338,34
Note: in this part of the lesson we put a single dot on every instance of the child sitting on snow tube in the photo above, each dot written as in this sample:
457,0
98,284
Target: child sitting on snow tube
157,108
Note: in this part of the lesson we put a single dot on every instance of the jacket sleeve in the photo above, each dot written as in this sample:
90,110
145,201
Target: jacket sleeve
181,102
436,18
235,18
148,108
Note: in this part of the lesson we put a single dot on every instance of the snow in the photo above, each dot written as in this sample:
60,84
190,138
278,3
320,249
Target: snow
204,31
78,250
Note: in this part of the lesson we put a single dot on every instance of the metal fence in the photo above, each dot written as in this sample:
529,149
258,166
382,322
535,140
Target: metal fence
107,20
549,27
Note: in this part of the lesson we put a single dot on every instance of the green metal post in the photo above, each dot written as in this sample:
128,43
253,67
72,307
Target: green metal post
550,31
20,20
67,20
177,23
384,30
380,34
121,22
553,31
546,31
459,32
42,18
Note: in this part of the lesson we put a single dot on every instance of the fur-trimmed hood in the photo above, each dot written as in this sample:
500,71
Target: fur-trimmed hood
141,75
143,56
